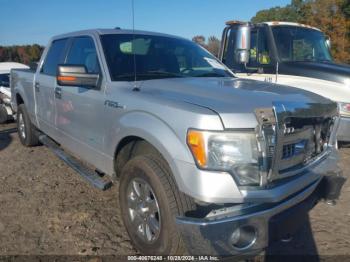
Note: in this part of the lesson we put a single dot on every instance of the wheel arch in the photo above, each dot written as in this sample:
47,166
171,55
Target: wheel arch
157,135
19,99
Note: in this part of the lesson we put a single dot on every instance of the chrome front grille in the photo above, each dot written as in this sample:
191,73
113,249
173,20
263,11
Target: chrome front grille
289,142
298,148
294,149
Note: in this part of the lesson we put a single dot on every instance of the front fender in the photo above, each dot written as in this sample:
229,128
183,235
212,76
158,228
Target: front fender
156,132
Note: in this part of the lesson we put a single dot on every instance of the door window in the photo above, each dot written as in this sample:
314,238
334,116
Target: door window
259,51
263,49
83,52
54,57
253,56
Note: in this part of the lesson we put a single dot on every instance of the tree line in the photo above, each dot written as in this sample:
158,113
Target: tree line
25,54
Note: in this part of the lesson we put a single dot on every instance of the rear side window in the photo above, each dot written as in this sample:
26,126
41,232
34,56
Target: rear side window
83,52
54,57
5,80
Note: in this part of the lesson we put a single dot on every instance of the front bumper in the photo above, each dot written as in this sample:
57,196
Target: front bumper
343,133
220,187
272,221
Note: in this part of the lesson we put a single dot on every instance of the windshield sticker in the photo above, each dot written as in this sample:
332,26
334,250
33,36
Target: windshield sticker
214,63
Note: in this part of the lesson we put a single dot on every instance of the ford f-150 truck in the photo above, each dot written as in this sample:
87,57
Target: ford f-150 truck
291,54
206,162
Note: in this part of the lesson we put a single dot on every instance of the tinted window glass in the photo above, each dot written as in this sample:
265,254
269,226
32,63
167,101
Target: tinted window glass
228,50
54,57
158,57
5,80
253,49
83,52
300,44
263,49
259,54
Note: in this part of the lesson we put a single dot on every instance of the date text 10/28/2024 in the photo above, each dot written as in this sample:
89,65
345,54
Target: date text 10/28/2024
173,258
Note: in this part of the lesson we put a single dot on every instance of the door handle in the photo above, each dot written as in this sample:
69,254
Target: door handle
37,87
58,93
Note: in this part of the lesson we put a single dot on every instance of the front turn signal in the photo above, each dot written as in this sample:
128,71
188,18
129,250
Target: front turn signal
196,142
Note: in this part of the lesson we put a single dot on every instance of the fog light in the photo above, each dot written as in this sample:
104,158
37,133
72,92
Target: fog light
243,237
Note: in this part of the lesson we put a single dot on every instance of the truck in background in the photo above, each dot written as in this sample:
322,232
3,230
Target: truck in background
291,54
208,164
6,112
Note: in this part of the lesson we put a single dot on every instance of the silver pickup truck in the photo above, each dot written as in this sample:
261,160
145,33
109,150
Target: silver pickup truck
206,162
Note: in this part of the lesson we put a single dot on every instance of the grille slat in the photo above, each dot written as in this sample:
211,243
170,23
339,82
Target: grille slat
297,148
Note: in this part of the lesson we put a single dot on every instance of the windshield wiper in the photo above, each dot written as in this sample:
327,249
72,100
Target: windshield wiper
210,74
324,60
149,75
312,60
163,73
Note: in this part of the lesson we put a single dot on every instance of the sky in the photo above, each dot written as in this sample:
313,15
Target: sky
35,21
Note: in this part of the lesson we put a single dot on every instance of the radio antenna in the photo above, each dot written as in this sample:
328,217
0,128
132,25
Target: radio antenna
132,46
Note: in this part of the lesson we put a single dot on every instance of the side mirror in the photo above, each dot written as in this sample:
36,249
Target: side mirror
76,75
328,42
242,47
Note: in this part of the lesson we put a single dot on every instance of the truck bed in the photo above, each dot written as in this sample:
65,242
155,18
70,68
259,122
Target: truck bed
23,80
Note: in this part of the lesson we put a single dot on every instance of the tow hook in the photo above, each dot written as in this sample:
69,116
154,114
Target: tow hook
331,187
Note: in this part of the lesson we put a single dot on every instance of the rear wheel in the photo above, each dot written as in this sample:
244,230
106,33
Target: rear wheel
26,131
3,114
150,201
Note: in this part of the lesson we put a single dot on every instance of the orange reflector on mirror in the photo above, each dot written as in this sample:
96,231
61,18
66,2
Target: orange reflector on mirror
67,78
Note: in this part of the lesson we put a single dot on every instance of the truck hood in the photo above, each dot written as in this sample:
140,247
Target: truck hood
235,100
329,71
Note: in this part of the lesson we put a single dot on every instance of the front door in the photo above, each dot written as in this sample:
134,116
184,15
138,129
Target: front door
80,110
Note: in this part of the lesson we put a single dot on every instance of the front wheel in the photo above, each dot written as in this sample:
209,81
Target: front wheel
26,131
150,201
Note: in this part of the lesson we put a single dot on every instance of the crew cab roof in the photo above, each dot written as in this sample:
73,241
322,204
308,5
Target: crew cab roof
111,31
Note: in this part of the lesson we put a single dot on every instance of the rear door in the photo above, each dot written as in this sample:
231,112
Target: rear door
80,110
45,84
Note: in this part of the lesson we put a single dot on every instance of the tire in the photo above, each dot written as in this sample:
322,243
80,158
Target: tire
163,202
26,131
3,114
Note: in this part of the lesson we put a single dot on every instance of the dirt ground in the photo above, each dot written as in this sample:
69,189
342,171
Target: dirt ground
46,209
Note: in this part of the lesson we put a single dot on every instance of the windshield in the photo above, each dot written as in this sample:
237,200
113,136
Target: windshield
158,57
5,80
300,44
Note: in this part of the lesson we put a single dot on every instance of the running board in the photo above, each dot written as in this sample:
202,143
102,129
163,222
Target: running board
89,175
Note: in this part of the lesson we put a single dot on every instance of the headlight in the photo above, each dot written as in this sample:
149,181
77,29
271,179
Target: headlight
234,152
344,109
